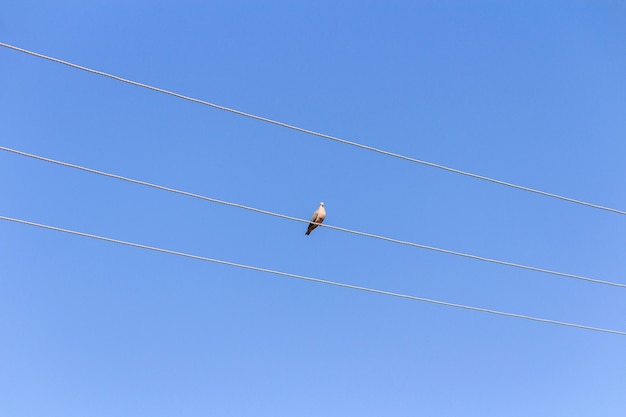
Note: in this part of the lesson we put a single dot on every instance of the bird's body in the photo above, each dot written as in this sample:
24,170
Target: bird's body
318,217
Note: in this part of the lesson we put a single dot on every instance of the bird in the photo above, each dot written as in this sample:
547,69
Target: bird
318,217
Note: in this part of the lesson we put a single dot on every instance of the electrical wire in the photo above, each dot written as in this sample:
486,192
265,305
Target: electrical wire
306,278
342,229
311,132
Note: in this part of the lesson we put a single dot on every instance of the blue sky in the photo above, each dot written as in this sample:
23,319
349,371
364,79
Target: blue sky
527,92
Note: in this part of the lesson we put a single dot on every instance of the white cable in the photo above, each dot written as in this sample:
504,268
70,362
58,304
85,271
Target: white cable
388,239
311,132
318,280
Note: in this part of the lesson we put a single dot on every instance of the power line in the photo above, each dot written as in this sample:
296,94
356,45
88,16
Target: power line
318,280
311,132
283,216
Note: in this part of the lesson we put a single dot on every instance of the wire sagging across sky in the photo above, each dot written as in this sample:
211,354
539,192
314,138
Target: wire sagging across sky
314,133
318,280
283,216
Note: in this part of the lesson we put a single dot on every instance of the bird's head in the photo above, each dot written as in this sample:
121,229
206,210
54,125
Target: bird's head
322,203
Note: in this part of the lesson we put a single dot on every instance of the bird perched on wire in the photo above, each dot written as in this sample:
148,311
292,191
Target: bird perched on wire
318,217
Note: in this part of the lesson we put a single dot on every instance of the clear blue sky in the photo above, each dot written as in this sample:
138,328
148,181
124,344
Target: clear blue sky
528,92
